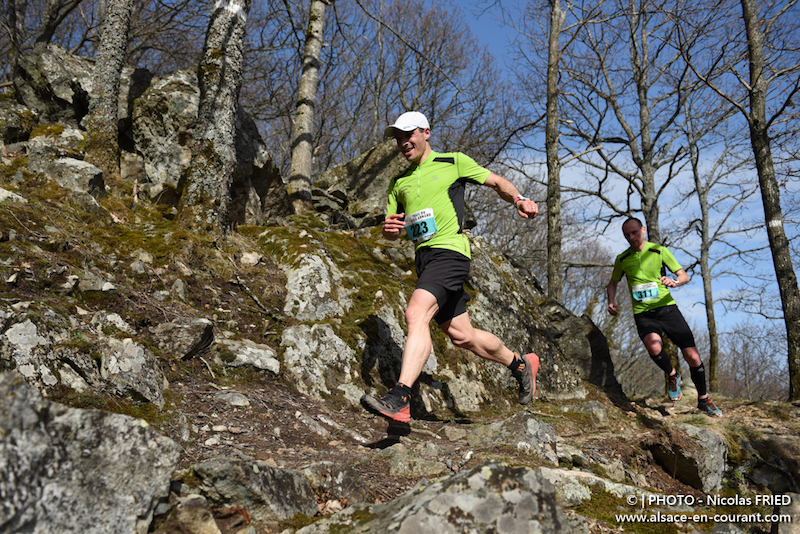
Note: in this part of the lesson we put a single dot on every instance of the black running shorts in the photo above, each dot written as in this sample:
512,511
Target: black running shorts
666,319
442,273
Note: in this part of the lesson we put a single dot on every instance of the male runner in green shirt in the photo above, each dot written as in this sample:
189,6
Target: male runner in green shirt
427,202
644,265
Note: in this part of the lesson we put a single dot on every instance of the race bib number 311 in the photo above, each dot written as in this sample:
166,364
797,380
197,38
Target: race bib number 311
421,226
645,292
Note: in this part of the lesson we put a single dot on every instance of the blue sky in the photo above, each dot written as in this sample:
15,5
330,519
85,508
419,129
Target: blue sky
496,36
485,27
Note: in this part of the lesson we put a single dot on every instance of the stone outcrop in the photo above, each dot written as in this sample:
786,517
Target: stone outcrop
48,358
269,494
355,192
57,85
69,470
17,121
696,455
488,498
521,432
156,120
272,337
585,343
162,131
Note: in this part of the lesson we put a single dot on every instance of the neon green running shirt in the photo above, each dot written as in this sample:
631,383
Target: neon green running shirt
432,197
642,271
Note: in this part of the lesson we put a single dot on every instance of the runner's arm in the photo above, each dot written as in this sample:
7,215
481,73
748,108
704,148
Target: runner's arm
611,290
526,207
683,279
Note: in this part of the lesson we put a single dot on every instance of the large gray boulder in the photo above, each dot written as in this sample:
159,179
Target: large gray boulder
486,499
522,432
132,370
355,192
156,121
16,121
24,348
585,343
269,494
507,305
77,471
45,354
163,125
697,456
182,339
58,85
332,363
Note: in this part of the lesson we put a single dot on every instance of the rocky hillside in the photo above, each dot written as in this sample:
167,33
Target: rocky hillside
153,379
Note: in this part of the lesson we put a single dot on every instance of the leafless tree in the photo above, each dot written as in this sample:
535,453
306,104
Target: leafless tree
55,12
717,231
168,36
299,182
724,230
752,365
624,93
757,72
102,147
552,134
206,191
163,36
14,29
370,75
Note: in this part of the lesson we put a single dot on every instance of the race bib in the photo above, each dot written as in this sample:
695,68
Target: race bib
645,292
421,226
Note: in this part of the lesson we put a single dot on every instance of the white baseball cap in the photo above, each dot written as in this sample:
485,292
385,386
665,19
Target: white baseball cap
408,121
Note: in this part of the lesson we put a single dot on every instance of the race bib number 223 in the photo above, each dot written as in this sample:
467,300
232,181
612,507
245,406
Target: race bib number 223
421,226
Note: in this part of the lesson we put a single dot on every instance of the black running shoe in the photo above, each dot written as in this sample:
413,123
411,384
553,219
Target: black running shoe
392,406
527,380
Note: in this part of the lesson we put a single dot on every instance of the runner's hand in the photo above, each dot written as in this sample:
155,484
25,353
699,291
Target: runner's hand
527,209
612,309
668,282
393,225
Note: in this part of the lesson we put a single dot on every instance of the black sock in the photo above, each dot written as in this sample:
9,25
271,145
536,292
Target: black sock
516,366
699,378
663,361
401,390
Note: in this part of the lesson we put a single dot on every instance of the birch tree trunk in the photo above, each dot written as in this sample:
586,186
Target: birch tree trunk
206,196
102,147
770,191
299,185
554,272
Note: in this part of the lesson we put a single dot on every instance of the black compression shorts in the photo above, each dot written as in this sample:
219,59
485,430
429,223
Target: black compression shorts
442,273
666,319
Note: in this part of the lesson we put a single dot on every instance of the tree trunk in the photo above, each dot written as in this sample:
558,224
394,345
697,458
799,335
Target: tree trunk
299,184
206,196
102,147
15,14
705,271
770,193
650,202
555,288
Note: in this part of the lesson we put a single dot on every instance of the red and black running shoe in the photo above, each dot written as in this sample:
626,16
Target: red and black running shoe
394,406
